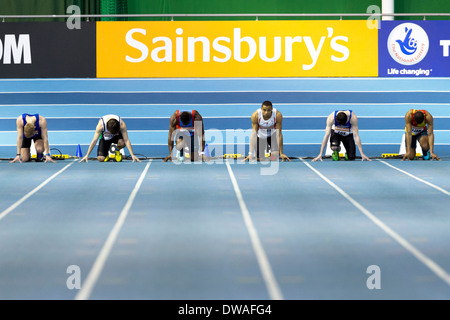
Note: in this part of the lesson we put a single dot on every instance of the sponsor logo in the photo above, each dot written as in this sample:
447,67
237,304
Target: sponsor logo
408,44
236,49
15,50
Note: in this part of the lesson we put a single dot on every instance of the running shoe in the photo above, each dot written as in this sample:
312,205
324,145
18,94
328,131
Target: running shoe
426,156
335,155
118,156
180,155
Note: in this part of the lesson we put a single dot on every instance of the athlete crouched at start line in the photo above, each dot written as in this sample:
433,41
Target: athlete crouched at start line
110,129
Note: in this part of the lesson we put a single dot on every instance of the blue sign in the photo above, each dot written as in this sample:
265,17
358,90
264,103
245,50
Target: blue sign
414,49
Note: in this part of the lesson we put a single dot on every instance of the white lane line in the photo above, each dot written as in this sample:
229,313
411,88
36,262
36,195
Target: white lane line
99,263
29,194
414,177
263,261
433,266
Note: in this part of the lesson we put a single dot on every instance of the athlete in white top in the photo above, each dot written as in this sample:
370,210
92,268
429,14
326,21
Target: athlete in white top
110,129
267,123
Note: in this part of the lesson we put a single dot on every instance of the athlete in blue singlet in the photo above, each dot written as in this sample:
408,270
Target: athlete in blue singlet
342,126
32,127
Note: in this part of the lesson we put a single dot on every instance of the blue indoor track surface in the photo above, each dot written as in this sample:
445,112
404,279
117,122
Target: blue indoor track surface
225,230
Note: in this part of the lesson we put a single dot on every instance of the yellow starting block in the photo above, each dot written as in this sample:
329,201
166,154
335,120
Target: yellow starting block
232,156
389,155
60,156
54,156
395,155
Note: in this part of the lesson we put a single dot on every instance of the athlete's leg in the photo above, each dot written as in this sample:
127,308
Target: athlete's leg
261,147
40,148
103,149
25,150
272,143
335,145
425,145
412,150
350,146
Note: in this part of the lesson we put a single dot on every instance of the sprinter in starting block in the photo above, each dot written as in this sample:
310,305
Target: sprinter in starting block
111,129
342,126
267,136
185,130
32,127
419,128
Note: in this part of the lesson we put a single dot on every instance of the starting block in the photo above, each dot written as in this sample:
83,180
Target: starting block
396,155
60,156
232,156
54,156
112,151
389,155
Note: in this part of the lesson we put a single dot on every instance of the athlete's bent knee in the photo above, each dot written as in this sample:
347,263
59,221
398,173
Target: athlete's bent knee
335,146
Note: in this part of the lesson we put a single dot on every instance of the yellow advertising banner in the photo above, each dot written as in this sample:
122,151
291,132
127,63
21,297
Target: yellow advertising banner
236,49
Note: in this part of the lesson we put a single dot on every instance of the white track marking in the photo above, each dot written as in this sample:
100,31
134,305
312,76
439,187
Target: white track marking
414,177
29,194
433,266
99,263
263,261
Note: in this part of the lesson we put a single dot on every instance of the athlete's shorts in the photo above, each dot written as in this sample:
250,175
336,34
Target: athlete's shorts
105,145
416,138
26,143
348,141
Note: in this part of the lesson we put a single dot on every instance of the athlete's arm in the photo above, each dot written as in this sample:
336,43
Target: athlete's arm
172,129
330,121
98,132
200,130
431,136
252,151
124,132
19,123
408,135
44,134
355,129
279,131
